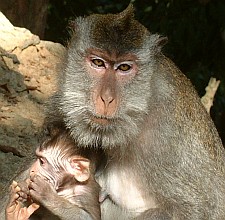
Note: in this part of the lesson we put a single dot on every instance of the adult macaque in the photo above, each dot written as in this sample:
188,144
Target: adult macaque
61,180
118,92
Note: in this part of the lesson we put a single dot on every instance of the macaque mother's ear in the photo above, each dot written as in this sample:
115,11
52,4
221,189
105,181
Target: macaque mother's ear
80,168
157,42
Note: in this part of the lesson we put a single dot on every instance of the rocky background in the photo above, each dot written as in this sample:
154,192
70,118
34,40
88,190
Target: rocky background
28,68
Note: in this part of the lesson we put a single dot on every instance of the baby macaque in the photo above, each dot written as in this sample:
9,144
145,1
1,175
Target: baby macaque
61,181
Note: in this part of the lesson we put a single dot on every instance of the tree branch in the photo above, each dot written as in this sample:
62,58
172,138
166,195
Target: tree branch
207,99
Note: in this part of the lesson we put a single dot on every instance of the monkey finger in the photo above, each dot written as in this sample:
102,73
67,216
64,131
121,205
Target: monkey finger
25,213
22,195
34,189
14,188
16,194
14,184
32,208
35,178
22,200
32,180
13,198
13,207
39,184
35,196
24,186
32,186
38,180
27,181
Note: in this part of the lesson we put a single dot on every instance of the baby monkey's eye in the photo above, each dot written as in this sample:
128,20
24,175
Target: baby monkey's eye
98,62
124,67
41,160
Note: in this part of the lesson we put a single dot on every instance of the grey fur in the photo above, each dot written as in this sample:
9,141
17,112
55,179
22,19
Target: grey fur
161,132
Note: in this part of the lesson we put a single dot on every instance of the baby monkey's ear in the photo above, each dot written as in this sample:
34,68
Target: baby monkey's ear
80,168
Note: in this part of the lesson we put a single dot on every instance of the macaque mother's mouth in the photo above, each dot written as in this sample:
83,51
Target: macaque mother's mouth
102,121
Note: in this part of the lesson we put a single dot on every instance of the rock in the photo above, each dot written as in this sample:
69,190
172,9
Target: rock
12,37
28,71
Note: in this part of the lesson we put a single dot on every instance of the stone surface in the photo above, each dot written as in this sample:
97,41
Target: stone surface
28,70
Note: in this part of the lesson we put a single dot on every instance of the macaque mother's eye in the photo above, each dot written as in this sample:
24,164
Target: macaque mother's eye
124,67
98,62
